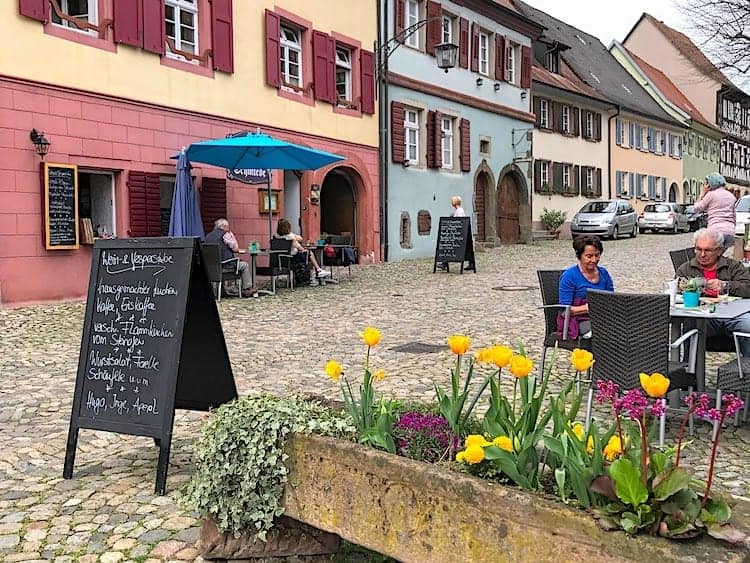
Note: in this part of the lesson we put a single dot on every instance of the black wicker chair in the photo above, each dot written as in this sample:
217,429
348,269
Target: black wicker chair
279,263
549,284
734,377
220,271
631,336
678,257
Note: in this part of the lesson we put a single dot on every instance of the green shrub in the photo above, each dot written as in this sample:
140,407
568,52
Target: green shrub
552,219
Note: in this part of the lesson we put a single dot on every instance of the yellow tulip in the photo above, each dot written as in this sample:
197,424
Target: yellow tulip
483,355
333,369
579,430
655,385
460,456
613,448
521,366
504,443
581,360
474,454
459,344
475,440
379,375
501,355
590,445
370,336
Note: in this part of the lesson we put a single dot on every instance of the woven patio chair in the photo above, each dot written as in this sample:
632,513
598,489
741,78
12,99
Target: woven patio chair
734,377
679,257
549,284
631,336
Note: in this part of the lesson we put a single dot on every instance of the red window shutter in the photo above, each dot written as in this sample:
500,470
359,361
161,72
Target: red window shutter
213,197
144,204
525,67
35,9
400,14
367,69
431,134
598,126
576,129
222,35
321,66
398,133
154,34
127,24
499,57
438,139
434,26
463,43
331,74
474,47
537,112
465,132
537,175
273,49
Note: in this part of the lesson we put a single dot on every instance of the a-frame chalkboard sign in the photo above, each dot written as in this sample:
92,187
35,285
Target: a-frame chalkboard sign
454,244
152,343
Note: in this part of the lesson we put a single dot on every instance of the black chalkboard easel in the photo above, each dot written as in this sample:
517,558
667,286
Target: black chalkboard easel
454,244
152,342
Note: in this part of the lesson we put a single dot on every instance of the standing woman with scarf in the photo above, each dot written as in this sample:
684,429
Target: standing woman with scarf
718,203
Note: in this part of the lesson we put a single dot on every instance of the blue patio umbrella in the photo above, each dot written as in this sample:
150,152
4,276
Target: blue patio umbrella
259,151
185,220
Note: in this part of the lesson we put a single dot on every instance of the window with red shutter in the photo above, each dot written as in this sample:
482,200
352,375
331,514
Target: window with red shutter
437,141
434,26
222,35
213,196
144,198
324,84
399,15
474,47
273,53
398,148
127,22
500,57
154,34
35,9
525,67
465,132
367,70
463,43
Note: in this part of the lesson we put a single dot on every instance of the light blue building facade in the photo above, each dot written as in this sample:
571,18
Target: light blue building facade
466,132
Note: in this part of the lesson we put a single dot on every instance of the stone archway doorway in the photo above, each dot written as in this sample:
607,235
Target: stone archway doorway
508,228
338,205
672,193
482,204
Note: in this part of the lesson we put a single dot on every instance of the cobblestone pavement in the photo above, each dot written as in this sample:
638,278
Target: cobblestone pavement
108,511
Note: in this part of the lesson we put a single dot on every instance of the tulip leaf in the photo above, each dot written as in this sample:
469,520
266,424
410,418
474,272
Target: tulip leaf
560,480
669,482
715,512
628,484
630,522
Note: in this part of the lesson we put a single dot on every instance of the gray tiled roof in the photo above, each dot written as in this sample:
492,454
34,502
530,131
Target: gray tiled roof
596,66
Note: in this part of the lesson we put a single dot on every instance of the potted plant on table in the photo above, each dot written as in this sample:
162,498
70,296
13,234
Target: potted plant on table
691,291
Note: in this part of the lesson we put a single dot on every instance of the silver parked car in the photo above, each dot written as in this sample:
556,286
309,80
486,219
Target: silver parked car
741,215
606,218
665,216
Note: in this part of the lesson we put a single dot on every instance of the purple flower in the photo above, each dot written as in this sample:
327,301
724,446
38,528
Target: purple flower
713,414
633,403
606,391
732,404
700,404
658,408
424,436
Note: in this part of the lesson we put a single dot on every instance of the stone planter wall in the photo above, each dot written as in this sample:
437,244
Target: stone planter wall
423,513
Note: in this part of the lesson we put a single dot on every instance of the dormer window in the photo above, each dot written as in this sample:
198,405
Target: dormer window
552,61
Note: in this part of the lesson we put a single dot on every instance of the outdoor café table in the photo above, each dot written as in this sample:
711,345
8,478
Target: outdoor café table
254,265
699,316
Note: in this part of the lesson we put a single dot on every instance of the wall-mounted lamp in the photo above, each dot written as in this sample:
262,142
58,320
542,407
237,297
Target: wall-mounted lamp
407,162
315,194
446,55
523,95
497,86
480,81
41,142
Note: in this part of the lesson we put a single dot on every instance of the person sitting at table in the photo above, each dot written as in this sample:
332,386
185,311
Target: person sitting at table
284,230
227,242
716,269
575,281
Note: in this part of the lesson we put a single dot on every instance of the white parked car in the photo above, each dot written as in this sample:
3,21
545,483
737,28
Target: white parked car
742,215
607,218
666,216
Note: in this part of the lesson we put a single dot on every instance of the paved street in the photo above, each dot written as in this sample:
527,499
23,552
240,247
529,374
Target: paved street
109,512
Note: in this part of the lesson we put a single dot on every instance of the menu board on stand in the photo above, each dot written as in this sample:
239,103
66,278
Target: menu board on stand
455,244
60,183
152,342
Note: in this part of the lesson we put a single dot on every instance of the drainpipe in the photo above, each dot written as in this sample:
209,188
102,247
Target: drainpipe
382,71
609,152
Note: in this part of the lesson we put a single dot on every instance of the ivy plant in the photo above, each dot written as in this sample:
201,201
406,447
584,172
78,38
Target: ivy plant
240,473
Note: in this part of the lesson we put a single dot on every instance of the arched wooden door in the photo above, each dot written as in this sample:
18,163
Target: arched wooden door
481,195
507,211
673,193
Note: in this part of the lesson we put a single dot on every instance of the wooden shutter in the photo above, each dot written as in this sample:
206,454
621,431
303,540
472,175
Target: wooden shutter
598,126
434,26
575,181
557,116
598,182
144,204
474,47
127,22
463,43
465,133
537,175
438,139
431,134
557,177
367,71
154,34
213,196
273,49
552,113
222,35
575,116
537,111
398,133
399,7
323,54
525,67
35,9
499,57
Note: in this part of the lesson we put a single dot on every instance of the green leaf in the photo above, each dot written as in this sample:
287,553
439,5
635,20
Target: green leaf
716,512
630,522
658,463
669,482
628,484
560,480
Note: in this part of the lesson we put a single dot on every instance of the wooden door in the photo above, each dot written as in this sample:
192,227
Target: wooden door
481,192
507,211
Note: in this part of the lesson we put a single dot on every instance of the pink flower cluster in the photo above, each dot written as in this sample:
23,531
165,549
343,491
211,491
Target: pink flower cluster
701,405
633,402
606,391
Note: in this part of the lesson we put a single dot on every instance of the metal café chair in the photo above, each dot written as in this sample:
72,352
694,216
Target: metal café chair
219,270
734,377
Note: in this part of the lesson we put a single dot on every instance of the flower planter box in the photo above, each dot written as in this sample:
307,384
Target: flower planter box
418,512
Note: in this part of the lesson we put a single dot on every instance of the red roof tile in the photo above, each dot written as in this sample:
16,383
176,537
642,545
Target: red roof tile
566,80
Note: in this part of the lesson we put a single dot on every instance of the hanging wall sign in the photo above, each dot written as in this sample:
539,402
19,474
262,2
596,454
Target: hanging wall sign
60,206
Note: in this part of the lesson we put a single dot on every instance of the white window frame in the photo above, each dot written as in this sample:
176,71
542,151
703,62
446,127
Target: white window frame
566,119
484,53
544,173
111,220
589,179
544,114
344,65
447,24
180,6
552,61
589,125
411,16
92,16
510,63
566,175
446,141
287,46
411,135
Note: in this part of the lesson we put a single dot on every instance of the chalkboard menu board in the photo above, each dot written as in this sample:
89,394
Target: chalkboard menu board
454,243
152,342
60,206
